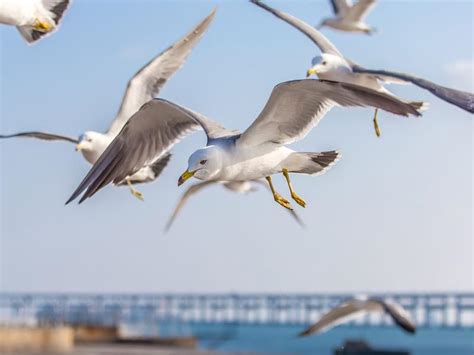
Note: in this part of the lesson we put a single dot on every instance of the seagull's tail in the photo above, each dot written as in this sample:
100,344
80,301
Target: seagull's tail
55,12
311,163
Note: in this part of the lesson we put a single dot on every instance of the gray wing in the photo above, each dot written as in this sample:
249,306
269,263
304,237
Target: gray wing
340,314
313,34
149,134
340,7
41,135
462,99
295,107
359,11
192,190
148,81
398,314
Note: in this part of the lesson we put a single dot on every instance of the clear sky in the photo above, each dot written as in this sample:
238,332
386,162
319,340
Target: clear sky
395,214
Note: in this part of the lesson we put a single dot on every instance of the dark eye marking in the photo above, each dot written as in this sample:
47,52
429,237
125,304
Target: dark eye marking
202,162
324,63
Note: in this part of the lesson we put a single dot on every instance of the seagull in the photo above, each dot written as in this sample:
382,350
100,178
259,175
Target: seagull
241,187
34,19
144,85
354,308
332,65
292,110
350,18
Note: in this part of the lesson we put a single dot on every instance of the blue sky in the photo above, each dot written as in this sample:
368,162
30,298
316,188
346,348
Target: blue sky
395,214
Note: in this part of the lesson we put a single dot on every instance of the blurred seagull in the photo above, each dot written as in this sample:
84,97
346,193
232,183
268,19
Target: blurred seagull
355,308
145,85
350,18
34,19
292,110
332,65
241,187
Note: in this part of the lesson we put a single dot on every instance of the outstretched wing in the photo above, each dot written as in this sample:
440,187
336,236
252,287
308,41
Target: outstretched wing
313,34
41,135
343,313
295,107
399,315
359,11
192,190
148,81
462,99
149,134
340,7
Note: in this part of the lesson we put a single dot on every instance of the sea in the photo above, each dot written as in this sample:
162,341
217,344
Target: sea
283,339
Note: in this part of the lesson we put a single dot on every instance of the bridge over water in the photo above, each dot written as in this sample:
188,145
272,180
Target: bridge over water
427,309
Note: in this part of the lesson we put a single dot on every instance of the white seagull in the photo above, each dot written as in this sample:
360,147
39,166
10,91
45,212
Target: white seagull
34,19
332,65
349,17
292,110
356,308
145,85
240,187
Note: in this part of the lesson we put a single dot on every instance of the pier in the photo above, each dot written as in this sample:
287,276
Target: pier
426,309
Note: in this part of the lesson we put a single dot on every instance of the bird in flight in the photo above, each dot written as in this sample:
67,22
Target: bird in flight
240,187
350,17
332,65
292,110
142,87
355,308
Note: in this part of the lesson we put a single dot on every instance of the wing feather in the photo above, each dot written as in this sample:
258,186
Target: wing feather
148,135
149,80
309,31
41,135
462,99
340,314
359,11
295,107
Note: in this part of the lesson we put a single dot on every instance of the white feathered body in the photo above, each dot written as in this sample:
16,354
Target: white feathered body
19,12
251,163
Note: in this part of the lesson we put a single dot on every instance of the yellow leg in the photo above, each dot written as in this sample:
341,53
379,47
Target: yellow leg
277,197
376,124
134,191
294,196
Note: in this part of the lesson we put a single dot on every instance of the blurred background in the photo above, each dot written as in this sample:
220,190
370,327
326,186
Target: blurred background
236,273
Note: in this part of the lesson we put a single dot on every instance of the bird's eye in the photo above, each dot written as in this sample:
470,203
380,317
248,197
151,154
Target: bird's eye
324,63
202,162
89,139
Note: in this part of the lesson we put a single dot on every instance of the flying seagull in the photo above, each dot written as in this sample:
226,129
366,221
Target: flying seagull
355,308
292,110
241,187
332,65
145,85
349,17
34,19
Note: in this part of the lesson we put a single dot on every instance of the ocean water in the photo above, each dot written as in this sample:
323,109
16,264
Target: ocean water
279,339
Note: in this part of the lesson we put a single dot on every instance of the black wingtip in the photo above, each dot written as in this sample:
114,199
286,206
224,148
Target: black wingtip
303,334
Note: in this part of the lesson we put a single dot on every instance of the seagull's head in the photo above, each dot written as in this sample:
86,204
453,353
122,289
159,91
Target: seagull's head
325,65
92,144
203,164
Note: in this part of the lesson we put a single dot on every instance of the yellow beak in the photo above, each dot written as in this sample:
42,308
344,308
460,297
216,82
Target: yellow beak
78,147
185,176
42,26
310,72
